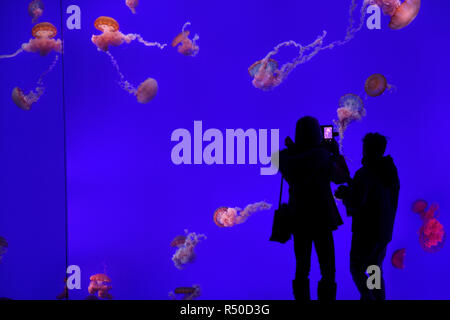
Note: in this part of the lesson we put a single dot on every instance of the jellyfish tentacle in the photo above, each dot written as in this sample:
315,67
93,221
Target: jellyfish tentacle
134,36
266,80
124,84
19,51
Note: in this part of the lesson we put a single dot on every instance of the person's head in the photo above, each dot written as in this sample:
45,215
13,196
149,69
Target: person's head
374,145
308,133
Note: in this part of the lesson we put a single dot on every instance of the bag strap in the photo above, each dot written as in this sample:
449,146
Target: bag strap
281,192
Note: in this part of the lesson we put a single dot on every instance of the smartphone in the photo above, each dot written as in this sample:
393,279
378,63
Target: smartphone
327,132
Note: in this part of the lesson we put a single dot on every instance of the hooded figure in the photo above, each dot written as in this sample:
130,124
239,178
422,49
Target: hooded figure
309,165
371,200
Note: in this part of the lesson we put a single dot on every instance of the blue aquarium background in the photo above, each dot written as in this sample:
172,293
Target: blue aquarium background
126,200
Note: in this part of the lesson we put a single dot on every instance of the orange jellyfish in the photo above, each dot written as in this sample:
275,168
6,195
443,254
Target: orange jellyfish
376,85
35,9
188,47
186,293
3,247
398,258
147,90
402,14
111,36
24,101
101,284
43,42
132,4
229,217
218,216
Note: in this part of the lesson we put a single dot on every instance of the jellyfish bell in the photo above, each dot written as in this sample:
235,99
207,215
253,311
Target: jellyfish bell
147,90
178,241
20,99
419,206
398,258
351,102
217,214
105,24
272,66
100,277
187,293
185,45
375,85
44,30
179,38
266,74
404,14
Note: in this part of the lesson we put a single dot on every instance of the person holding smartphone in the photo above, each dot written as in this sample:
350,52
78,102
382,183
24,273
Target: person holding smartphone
309,165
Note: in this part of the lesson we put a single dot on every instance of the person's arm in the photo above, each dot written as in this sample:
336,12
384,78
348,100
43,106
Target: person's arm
340,173
285,164
356,195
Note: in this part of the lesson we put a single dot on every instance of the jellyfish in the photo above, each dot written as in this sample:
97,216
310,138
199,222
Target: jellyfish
42,41
351,108
111,36
269,75
186,293
3,247
100,284
146,91
185,252
229,217
24,101
432,235
188,47
421,208
265,74
36,9
132,4
398,258
402,14
376,85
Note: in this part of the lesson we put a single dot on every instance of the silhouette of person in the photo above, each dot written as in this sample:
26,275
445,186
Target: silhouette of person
309,165
371,200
